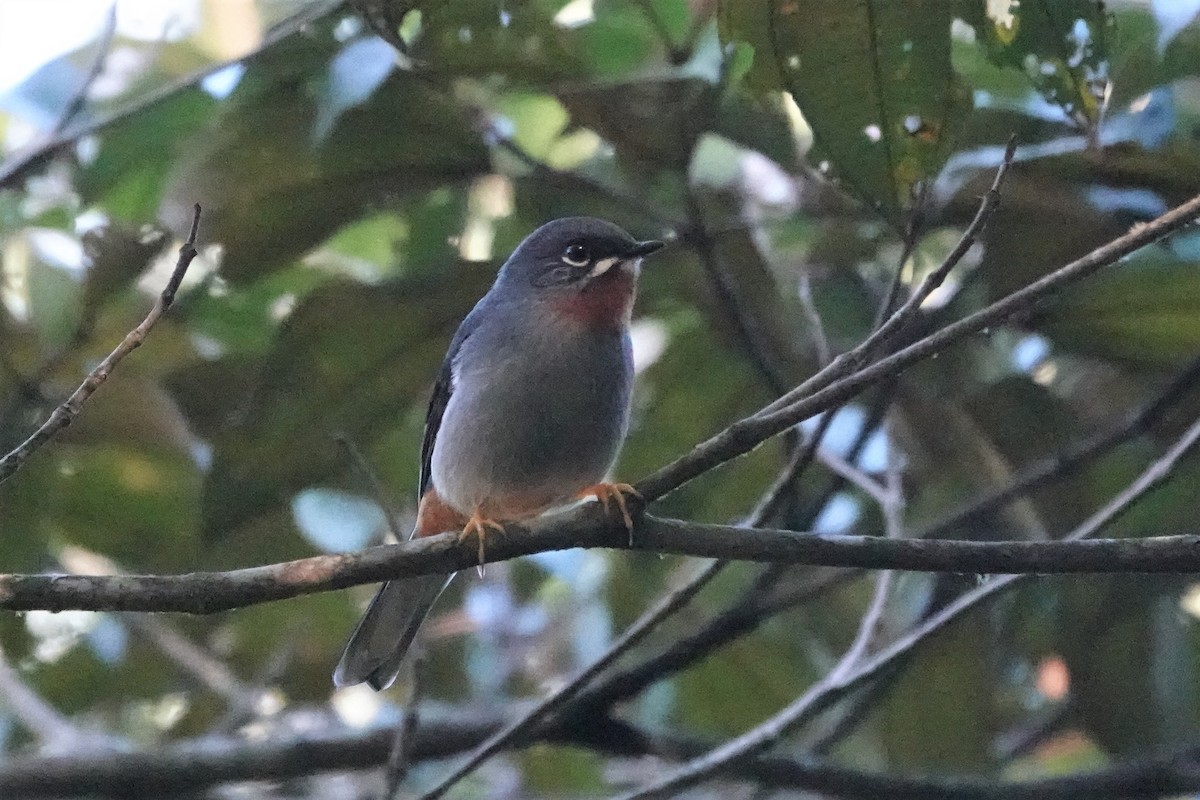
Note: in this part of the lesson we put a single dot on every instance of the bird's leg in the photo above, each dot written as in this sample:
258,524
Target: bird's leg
478,525
609,494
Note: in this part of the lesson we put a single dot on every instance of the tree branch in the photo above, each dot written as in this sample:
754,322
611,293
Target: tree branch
196,765
745,616
837,684
828,388
22,163
65,413
95,69
588,526
633,635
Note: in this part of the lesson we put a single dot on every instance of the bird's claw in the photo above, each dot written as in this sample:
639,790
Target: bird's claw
478,526
608,494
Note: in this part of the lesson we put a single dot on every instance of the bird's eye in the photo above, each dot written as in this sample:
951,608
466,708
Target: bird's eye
576,255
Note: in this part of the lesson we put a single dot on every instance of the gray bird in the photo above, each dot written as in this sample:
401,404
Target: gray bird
528,413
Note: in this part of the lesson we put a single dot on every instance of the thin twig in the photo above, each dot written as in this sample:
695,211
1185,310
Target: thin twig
745,327
837,684
77,101
400,756
378,490
891,504
826,390
188,767
649,620
854,476
816,323
758,603
890,324
887,306
65,413
22,163
49,727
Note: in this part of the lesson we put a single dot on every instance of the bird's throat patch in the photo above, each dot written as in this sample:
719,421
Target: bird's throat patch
605,302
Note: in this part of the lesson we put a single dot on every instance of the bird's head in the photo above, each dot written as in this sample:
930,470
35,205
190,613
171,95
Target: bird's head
584,268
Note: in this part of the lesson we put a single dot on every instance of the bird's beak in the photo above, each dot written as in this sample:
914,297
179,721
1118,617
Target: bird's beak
644,248
629,260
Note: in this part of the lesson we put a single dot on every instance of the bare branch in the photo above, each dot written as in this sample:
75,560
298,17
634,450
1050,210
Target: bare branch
194,766
827,389
26,161
65,414
838,683
103,46
400,756
891,503
379,492
588,526
812,314
635,633
987,207
48,726
854,476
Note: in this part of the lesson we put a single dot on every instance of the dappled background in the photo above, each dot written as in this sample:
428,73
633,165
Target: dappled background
363,170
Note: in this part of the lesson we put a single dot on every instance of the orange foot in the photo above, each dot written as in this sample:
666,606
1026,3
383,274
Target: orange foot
615,493
478,525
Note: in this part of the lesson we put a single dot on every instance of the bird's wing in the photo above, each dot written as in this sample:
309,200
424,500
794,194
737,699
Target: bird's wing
433,421
442,390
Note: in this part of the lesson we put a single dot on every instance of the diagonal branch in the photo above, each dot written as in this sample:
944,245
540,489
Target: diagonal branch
827,388
838,683
18,166
745,616
95,69
65,413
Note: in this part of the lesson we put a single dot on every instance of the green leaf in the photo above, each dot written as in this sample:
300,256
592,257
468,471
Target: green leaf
874,80
1060,45
270,192
116,255
1146,311
483,38
351,360
653,123
941,711
127,177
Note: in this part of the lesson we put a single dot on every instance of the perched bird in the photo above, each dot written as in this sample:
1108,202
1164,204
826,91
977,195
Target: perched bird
528,413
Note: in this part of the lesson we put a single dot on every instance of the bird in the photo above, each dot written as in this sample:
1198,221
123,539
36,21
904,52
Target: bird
528,413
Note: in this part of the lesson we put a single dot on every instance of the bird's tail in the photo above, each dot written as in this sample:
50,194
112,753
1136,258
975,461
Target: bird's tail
377,646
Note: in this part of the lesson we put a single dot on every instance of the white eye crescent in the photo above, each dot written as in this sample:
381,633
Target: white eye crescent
576,255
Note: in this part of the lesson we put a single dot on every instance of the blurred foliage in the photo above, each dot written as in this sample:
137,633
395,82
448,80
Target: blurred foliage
358,200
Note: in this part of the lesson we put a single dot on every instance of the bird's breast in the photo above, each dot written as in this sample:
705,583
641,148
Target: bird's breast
540,416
